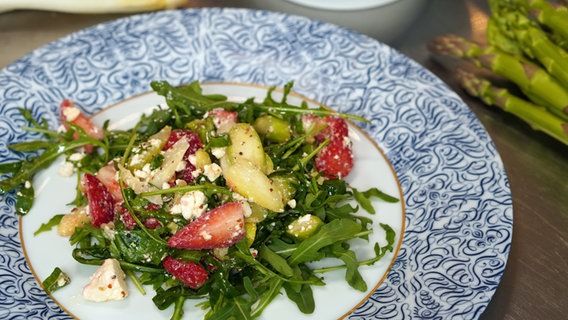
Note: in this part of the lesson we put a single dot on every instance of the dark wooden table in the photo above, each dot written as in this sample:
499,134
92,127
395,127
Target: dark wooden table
535,282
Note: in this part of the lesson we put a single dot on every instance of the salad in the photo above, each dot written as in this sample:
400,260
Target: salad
206,198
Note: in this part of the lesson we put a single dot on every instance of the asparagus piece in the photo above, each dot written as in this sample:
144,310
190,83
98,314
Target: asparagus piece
498,39
545,13
536,116
530,78
534,42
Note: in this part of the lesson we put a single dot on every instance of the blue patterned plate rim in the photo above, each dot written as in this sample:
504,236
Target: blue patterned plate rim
457,198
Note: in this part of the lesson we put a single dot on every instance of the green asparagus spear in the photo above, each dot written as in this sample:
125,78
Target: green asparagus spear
530,78
544,12
536,116
533,41
498,39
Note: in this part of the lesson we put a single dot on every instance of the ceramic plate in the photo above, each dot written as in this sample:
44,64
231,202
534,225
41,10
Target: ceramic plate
458,210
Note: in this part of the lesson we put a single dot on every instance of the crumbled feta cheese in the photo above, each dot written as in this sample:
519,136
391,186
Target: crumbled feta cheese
292,203
205,235
305,218
165,185
191,205
247,211
253,252
238,197
218,152
108,230
192,159
346,141
196,173
71,113
77,156
27,184
107,283
66,169
212,171
140,174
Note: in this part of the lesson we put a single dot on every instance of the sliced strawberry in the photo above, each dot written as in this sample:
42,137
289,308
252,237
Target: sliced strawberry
192,138
223,119
190,273
101,203
332,127
194,145
335,160
130,223
107,175
220,227
69,113
152,223
336,128
125,216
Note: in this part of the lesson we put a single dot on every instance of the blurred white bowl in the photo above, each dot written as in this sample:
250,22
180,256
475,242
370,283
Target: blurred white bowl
384,20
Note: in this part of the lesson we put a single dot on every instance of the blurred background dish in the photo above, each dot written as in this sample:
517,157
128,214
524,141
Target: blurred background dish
384,20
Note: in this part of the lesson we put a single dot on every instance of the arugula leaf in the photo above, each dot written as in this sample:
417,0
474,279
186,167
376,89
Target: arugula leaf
29,146
352,275
53,222
277,262
334,231
55,281
25,199
11,167
301,294
136,247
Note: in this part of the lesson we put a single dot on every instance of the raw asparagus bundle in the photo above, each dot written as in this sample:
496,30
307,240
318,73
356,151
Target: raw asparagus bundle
526,45
536,116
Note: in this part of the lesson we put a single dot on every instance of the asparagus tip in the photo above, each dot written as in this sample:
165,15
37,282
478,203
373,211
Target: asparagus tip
448,45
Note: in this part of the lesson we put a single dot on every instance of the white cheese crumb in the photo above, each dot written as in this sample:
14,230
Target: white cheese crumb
305,218
71,113
108,230
253,252
247,211
196,173
191,205
77,156
205,235
218,152
238,197
192,159
107,283
27,184
66,169
212,171
292,203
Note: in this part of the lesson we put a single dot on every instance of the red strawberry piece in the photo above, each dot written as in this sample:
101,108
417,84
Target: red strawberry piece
125,216
332,127
190,273
336,128
335,160
194,145
130,223
192,138
69,113
101,203
107,175
220,227
223,119
152,223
